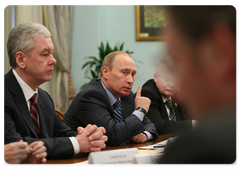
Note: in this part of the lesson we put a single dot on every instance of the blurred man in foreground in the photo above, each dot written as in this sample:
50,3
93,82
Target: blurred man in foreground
202,43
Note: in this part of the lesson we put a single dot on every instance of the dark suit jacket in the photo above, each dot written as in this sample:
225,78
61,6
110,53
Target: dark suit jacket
92,106
18,124
158,114
213,141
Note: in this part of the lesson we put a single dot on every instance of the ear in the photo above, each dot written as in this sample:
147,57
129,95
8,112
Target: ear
155,78
105,72
20,59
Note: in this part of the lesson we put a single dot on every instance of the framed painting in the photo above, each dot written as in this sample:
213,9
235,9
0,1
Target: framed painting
150,22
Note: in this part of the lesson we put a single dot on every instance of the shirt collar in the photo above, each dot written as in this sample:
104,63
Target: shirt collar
111,97
27,91
165,99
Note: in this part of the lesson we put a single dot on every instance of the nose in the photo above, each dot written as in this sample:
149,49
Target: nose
130,79
171,83
52,61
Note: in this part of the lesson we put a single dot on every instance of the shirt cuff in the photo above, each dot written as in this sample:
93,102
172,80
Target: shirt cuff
138,114
75,144
149,135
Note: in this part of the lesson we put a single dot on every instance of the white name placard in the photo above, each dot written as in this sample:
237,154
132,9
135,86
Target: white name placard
147,158
119,156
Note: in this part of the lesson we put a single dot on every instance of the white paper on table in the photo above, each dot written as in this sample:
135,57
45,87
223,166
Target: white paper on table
163,144
80,163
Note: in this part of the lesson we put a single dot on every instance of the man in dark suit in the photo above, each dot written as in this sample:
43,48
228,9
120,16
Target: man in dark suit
30,51
96,103
160,91
201,41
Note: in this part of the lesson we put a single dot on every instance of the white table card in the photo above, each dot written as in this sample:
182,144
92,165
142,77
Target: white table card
119,156
147,158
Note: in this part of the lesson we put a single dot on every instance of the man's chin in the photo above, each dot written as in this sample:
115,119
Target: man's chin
47,79
126,93
168,95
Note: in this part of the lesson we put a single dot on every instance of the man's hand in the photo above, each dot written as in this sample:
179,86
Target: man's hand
36,153
140,138
15,152
91,138
140,101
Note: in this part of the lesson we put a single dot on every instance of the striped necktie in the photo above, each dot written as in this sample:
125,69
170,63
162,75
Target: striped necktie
34,113
117,111
170,107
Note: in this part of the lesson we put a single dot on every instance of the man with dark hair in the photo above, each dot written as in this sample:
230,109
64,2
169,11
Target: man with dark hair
29,111
202,43
109,102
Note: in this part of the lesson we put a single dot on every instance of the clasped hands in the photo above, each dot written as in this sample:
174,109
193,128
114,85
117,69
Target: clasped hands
91,138
21,152
140,138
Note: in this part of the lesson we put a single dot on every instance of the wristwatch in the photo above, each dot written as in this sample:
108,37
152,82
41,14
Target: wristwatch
141,109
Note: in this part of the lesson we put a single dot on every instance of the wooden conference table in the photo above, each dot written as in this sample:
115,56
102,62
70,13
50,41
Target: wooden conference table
84,156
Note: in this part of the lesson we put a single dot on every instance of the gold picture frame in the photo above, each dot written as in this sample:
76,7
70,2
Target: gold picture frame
150,22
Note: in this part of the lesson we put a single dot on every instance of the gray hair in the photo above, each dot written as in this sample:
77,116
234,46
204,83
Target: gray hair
163,69
160,69
21,39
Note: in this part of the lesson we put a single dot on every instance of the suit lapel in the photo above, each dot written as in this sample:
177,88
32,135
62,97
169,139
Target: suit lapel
177,110
163,108
19,100
124,109
97,83
41,110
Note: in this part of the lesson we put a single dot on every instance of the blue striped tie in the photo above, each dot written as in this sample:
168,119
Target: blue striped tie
117,111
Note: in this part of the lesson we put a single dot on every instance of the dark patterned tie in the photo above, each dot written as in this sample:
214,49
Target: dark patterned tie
34,113
117,111
170,107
